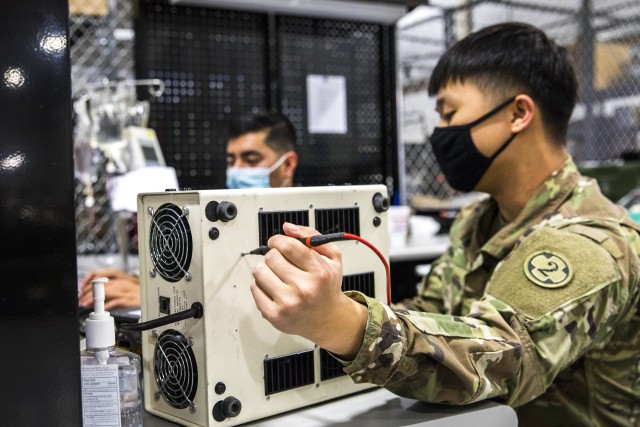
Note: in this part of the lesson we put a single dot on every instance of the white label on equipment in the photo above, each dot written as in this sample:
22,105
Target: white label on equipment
100,397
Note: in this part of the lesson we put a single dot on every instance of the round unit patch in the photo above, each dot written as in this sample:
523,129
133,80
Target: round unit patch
548,270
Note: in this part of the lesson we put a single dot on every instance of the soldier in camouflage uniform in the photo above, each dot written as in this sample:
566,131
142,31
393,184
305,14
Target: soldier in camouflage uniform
535,301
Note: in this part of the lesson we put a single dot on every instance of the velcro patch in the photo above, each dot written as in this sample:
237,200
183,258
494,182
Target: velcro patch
550,268
546,269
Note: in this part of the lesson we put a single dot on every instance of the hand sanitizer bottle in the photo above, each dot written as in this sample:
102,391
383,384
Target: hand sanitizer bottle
111,392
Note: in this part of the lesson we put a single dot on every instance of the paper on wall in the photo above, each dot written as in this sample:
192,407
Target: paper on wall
327,104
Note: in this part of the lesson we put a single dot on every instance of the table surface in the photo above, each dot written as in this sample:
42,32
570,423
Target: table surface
418,249
379,407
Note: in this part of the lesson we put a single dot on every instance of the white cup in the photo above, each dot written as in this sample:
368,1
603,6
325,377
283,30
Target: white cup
398,221
422,227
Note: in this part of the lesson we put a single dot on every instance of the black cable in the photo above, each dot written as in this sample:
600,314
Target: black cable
196,311
311,242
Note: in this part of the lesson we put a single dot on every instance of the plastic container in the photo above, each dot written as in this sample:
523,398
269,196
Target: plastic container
111,386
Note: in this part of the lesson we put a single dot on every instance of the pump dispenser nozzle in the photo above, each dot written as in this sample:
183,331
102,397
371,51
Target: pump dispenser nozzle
100,325
97,286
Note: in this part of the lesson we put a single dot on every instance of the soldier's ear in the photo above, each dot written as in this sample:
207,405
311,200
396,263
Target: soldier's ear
523,111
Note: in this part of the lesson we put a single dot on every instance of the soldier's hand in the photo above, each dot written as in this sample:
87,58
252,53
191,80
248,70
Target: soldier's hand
298,290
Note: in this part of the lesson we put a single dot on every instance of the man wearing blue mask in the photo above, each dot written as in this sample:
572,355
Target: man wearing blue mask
261,152
535,302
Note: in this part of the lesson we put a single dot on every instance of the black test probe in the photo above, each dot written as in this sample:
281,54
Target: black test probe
310,242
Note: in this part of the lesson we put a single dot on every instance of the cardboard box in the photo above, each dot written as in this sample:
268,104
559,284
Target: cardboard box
88,7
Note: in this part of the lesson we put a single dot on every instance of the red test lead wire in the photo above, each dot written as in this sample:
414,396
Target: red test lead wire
349,236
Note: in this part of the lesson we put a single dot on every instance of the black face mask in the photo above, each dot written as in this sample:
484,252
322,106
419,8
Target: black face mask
461,162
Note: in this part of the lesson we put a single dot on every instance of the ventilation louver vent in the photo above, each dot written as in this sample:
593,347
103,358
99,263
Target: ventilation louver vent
170,242
287,372
175,369
329,366
345,220
270,223
363,282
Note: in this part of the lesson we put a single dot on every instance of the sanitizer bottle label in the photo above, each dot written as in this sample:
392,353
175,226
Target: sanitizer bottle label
100,397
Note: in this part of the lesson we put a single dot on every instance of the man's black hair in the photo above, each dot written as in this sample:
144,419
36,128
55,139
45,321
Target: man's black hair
280,138
508,57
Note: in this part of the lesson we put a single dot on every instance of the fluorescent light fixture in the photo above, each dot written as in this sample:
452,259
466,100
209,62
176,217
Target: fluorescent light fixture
367,11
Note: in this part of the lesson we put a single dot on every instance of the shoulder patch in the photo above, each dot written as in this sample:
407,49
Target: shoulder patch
547,269
550,268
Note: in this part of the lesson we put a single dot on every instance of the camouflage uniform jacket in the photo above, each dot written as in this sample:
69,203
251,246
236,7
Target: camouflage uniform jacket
540,313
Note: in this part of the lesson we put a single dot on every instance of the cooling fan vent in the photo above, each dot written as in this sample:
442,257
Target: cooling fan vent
175,369
170,243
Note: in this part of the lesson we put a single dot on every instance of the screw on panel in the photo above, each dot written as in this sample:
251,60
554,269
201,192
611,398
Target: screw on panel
185,210
214,233
377,221
191,341
156,395
150,210
193,407
220,388
187,276
152,273
154,333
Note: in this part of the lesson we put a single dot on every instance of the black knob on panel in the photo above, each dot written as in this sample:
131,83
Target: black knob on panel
228,408
226,211
380,203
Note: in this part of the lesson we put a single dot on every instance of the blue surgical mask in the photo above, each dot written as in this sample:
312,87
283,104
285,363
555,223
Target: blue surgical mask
251,177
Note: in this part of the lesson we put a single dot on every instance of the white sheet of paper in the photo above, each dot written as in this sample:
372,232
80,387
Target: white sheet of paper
327,104
124,189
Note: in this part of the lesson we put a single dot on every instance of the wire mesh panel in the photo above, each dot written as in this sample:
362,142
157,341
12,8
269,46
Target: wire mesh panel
101,40
238,62
603,38
354,51
96,224
213,64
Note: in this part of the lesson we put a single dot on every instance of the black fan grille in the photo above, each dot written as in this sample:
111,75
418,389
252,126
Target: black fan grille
170,242
175,369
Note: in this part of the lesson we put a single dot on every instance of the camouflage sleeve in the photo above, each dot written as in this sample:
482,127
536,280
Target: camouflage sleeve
430,294
435,357
514,341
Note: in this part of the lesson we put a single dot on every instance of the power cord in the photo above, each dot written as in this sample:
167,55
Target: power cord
196,311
